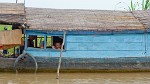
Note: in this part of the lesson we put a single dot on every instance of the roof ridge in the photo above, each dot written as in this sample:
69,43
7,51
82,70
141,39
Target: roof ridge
138,19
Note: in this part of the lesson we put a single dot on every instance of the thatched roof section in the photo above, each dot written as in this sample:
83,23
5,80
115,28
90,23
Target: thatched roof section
11,8
143,16
12,13
73,19
70,19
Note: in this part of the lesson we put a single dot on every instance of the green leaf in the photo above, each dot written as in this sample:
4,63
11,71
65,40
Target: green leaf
132,6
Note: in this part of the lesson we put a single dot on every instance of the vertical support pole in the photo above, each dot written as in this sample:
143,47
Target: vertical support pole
145,39
16,1
14,52
45,41
24,37
36,40
26,41
59,64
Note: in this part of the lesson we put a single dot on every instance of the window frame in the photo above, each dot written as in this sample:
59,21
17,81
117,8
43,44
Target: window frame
52,35
26,41
45,42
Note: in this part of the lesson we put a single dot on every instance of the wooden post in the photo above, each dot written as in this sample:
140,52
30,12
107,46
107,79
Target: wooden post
36,41
45,41
59,64
26,41
14,52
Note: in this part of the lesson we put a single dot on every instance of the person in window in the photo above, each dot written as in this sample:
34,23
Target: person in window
42,44
57,45
57,39
30,41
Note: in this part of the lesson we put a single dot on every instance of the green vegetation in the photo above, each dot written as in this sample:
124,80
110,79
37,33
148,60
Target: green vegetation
133,6
145,5
41,39
9,27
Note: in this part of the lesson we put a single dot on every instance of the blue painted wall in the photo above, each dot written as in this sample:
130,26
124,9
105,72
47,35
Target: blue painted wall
98,45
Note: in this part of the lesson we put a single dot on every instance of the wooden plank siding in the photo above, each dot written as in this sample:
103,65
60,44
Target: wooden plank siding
106,42
97,46
100,46
10,37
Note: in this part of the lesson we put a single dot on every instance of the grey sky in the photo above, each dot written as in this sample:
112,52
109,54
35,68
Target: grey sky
77,4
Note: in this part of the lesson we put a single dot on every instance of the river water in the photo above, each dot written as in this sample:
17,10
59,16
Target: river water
75,78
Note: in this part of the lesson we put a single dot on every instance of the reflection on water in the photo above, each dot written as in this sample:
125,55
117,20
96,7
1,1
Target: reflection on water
76,78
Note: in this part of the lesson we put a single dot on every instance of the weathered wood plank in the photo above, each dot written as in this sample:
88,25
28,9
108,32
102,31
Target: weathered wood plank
106,38
105,46
91,54
12,8
10,37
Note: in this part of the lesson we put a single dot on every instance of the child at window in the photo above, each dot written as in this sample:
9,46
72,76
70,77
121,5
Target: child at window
57,45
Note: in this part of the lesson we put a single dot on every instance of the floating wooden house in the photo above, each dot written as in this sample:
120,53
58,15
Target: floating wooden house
93,39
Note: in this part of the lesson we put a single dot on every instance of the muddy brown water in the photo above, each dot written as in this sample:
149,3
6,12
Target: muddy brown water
75,78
